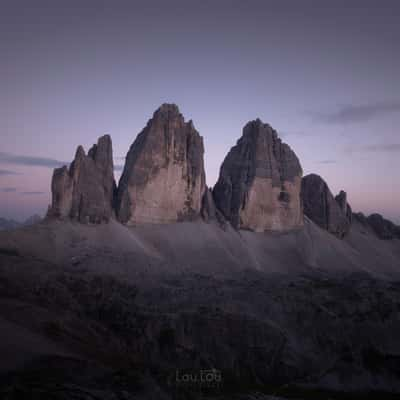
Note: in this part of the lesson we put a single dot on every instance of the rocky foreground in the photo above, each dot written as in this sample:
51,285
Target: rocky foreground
113,312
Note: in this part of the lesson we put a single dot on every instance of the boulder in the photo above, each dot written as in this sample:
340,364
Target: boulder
260,181
85,191
163,180
322,208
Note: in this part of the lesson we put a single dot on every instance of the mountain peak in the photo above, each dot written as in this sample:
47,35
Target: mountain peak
259,183
163,178
85,191
167,110
329,213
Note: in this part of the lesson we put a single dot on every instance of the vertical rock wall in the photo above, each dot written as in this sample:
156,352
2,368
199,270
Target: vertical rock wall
259,182
85,191
163,179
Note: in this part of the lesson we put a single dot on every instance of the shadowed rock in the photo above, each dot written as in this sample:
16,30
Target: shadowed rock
85,191
341,199
208,209
322,208
259,182
210,212
382,227
361,218
163,178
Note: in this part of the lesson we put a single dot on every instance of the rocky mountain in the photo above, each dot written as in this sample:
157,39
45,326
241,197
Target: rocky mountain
85,191
192,279
341,199
328,212
383,228
163,179
259,182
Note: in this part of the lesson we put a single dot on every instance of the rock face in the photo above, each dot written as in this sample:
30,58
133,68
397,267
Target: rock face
341,199
163,179
85,191
260,181
382,227
209,210
322,208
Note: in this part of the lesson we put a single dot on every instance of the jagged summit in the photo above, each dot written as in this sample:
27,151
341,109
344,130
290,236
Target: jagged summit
259,183
341,199
330,213
382,227
260,186
255,126
284,158
167,110
163,179
85,190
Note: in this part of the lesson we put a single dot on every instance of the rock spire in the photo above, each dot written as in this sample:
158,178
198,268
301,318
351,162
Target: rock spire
260,181
163,179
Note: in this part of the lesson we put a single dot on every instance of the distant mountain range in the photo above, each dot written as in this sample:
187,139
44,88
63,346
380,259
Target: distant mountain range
7,224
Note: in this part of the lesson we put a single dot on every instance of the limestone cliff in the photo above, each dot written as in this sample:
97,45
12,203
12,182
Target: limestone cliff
341,199
163,178
328,212
382,227
85,191
259,182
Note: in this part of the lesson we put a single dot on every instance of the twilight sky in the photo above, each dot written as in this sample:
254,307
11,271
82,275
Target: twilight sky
325,74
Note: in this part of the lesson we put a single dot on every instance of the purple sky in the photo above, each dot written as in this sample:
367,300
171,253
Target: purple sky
325,74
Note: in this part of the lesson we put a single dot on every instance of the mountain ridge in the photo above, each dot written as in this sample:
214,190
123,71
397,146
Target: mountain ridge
99,307
163,181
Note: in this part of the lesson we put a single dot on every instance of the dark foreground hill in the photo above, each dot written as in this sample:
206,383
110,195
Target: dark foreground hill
116,312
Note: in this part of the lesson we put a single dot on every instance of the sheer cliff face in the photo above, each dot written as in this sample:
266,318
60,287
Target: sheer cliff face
330,213
260,182
163,179
85,191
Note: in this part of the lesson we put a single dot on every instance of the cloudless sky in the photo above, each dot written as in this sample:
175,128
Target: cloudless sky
324,74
